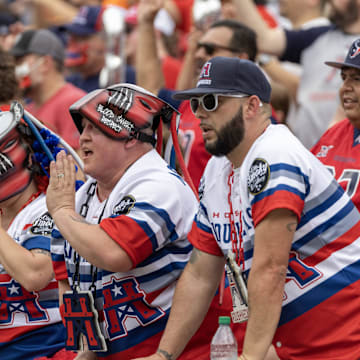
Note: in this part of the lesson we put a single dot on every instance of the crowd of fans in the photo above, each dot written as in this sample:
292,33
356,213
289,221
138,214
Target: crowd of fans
54,53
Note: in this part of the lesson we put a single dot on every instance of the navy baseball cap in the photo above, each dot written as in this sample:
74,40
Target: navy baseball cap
6,19
86,22
225,75
352,58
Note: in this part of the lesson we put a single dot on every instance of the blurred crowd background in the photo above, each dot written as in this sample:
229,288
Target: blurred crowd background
93,50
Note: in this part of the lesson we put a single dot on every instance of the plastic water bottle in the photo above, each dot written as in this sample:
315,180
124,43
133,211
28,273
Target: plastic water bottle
223,344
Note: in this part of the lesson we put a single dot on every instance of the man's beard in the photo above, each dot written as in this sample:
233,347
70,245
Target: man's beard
345,18
228,137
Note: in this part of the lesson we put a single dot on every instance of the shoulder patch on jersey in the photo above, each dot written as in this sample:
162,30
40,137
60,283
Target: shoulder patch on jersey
43,225
124,206
258,176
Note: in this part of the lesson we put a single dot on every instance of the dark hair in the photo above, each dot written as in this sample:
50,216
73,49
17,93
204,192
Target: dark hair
243,38
8,82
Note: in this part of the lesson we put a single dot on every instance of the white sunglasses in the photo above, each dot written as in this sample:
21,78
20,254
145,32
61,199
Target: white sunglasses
210,102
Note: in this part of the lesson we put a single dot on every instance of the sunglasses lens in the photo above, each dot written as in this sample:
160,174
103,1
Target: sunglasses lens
209,49
194,104
209,102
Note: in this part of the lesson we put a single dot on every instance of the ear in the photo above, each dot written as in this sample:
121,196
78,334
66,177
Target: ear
48,62
253,106
130,143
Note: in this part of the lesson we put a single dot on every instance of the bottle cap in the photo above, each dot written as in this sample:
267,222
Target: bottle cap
224,320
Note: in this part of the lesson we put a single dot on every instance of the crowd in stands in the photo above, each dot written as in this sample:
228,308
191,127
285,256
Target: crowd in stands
54,53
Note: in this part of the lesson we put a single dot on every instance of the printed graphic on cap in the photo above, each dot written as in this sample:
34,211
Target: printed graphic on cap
204,75
258,176
355,49
122,99
114,122
124,206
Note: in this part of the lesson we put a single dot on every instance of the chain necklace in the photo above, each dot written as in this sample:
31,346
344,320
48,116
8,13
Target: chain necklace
93,269
236,264
76,299
234,235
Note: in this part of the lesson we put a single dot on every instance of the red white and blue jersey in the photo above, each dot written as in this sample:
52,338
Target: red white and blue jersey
319,309
149,214
339,150
30,322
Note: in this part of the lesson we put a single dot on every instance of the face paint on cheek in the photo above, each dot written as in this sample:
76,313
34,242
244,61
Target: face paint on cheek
25,83
14,174
76,55
22,73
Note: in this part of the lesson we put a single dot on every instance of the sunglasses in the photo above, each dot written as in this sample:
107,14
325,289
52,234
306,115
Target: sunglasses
211,48
210,102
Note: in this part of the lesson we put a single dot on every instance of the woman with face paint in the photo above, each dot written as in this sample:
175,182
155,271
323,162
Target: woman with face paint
30,322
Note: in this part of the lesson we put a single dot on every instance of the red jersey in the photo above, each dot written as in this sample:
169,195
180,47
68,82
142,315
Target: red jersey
55,113
195,155
339,150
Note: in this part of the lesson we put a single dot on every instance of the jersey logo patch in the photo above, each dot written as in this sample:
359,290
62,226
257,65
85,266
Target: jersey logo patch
258,176
124,206
124,299
298,271
43,225
324,150
16,300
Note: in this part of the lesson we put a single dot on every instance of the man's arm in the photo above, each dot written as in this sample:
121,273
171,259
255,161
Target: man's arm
269,40
149,73
193,295
273,237
89,240
280,74
186,78
31,268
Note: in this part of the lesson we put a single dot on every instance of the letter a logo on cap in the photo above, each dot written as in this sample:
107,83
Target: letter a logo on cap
205,72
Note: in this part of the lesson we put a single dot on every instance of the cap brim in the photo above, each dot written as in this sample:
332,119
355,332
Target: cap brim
340,65
78,30
18,52
187,94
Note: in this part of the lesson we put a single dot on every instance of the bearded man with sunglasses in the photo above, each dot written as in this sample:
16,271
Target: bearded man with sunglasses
294,231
